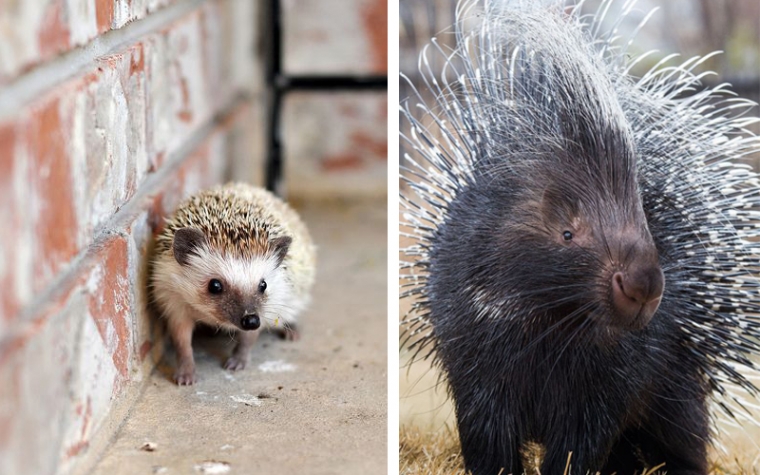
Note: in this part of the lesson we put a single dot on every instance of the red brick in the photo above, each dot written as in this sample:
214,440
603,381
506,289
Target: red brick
137,60
110,111
344,161
157,214
375,16
335,37
104,14
337,144
76,449
9,304
50,174
360,145
7,144
185,114
111,304
54,30
377,148
179,97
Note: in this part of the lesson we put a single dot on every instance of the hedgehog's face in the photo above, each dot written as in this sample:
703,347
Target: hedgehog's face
239,292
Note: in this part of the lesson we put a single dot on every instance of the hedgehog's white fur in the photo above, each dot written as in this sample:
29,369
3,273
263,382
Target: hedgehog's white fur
175,283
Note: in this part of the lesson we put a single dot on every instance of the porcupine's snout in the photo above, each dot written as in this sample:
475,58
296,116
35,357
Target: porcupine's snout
637,292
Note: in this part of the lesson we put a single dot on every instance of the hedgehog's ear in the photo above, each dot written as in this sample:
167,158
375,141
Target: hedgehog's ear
186,243
280,247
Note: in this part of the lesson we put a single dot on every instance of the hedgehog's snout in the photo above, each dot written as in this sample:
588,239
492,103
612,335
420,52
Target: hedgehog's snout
636,294
250,321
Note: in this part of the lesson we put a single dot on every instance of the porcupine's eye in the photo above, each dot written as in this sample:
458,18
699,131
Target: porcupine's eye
567,236
262,286
215,286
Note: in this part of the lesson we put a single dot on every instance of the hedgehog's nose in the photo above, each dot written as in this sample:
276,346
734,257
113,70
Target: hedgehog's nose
636,294
250,321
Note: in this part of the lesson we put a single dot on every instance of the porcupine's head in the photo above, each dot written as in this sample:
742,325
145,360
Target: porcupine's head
562,236
224,261
549,226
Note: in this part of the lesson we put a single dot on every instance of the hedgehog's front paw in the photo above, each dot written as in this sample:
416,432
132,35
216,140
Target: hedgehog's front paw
185,376
235,363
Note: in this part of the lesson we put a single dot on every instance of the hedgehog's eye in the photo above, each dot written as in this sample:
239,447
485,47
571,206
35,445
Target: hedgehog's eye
215,286
262,286
567,235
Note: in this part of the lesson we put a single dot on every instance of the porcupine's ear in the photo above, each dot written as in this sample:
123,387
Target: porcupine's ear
280,247
186,243
558,203
554,203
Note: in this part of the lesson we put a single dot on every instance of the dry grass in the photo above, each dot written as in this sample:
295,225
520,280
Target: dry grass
430,453
736,465
438,453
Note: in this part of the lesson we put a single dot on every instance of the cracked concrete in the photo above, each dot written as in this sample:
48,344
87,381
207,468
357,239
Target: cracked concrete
316,406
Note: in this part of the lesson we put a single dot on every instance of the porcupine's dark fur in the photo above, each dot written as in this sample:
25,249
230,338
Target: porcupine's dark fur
537,127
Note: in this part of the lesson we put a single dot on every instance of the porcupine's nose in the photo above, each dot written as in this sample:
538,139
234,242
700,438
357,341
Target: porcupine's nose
636,295
250,321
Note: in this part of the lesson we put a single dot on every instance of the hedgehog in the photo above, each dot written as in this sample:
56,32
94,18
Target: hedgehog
583,245
233,257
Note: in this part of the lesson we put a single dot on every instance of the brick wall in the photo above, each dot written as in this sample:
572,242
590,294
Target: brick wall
110,113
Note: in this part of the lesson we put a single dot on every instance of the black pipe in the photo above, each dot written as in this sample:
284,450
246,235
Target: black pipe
273,72
333,83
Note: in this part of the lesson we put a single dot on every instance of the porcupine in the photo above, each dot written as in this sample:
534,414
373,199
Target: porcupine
234,257
583,263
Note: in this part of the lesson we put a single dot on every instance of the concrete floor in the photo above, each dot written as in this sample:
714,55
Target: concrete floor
315,406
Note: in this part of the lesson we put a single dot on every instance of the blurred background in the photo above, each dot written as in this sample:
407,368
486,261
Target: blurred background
111,112
687,27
